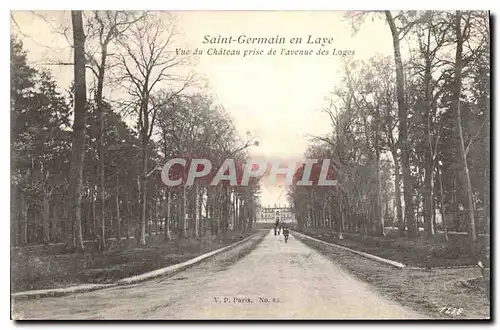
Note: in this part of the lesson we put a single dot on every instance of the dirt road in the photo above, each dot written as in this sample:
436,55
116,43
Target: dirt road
274,281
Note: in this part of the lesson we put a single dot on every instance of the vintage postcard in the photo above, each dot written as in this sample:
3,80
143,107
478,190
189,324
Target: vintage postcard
250,165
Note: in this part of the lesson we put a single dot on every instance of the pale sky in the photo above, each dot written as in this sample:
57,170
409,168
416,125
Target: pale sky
277,98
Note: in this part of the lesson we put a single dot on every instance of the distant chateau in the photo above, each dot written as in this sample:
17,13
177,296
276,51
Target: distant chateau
269,214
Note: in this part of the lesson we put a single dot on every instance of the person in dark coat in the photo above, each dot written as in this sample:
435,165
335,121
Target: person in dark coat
286,233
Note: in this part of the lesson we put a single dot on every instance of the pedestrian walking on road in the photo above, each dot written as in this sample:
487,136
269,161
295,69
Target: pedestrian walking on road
286,233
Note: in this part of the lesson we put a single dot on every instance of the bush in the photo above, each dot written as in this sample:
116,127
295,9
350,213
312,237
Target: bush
455,250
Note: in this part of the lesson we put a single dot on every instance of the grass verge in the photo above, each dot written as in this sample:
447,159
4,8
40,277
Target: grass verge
431,292
417,252
48,267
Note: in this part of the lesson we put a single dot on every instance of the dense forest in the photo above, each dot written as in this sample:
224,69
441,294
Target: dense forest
84,167
410,136
410,133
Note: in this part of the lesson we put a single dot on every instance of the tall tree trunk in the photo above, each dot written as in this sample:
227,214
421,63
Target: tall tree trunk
456,105
152,222
100,105
46,212
399,207
149,218
102,221
403,128
210,209
380,216
118,229
53,223
179,214
236,212
24,220
87,212
74,238
227,207
429,166
168,237
15,216
184,212
157,218
242,213
196,219
216,209
486,196
443,207
201,230
310,209
94,221
342,215
144,189
46,218
128,215
434,212
456,215
428,195
323,211
397,194
102,236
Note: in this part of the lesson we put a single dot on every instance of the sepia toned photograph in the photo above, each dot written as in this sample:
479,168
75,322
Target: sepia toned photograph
250,165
